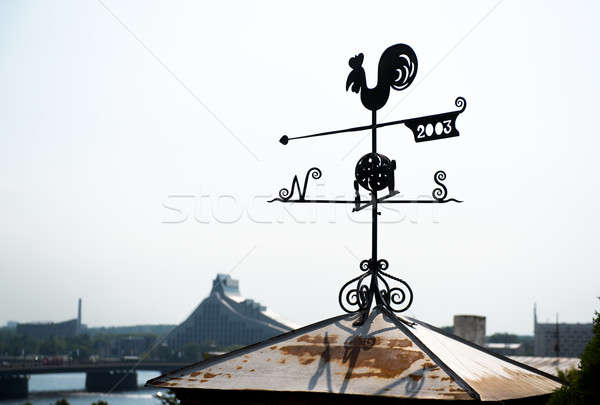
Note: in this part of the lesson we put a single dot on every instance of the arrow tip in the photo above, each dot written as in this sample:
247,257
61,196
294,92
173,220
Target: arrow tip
284,140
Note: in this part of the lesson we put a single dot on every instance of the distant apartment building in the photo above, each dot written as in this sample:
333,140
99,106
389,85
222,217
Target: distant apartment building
560,339
72,327
226,318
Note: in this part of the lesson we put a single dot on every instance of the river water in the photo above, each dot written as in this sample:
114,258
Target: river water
45,389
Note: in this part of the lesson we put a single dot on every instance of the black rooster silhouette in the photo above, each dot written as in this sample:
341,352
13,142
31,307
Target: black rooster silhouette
397,70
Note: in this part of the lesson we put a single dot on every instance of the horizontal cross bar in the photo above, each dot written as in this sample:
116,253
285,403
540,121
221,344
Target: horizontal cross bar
369,201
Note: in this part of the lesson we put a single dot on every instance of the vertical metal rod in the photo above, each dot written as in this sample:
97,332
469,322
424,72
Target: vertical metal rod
374,192
374,283
374,131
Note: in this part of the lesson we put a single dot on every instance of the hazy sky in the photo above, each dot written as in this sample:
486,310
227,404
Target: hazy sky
138,146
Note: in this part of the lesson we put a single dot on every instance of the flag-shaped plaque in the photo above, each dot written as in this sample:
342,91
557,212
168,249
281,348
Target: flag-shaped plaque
438,126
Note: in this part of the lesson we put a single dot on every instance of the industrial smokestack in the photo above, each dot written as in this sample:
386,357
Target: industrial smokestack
79,315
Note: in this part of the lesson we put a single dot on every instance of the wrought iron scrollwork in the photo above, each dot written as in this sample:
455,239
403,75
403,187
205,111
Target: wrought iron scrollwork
440,193
285,194
461,103
396,299
357,296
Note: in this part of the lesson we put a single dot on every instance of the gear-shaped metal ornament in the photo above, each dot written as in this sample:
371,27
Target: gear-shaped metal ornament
374,172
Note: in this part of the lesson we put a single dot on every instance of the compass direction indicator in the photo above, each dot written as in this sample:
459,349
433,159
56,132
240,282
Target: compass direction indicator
375,173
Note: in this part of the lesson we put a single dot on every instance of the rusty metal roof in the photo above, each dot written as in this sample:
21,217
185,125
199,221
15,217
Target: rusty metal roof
550,365
387,356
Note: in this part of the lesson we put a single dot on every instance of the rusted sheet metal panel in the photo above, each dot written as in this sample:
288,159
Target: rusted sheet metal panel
549,365
493,378
376,358
386,356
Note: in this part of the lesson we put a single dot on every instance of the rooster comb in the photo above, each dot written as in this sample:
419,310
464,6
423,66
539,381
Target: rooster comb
356,61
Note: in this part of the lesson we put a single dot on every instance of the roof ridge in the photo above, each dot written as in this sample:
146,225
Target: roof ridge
486,351
460,381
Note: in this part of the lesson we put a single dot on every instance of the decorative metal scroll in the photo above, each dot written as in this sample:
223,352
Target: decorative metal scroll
438,126
374,172
440,193
285,194
357,295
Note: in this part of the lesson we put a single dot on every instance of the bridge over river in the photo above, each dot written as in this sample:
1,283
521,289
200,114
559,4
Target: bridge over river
100,376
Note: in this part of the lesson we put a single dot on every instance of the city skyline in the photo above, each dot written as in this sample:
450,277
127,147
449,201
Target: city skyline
14,323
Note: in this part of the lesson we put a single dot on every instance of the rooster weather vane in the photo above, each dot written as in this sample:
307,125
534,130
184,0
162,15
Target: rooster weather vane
374,172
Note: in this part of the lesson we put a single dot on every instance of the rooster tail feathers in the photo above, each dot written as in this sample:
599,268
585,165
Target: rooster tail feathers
398,65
